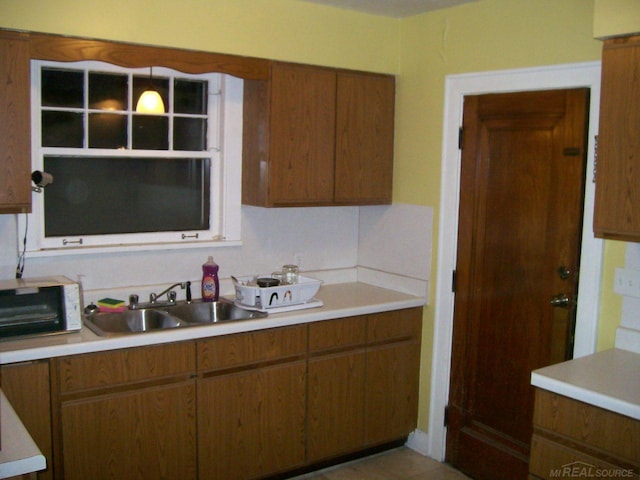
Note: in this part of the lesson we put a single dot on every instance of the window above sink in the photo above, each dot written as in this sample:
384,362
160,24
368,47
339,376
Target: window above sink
132,180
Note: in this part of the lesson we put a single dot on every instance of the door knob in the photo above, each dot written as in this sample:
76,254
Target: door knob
560,300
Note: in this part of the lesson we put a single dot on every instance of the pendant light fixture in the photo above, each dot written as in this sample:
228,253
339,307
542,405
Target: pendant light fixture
150,101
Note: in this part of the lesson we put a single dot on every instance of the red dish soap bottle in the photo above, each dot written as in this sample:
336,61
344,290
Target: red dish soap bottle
210,282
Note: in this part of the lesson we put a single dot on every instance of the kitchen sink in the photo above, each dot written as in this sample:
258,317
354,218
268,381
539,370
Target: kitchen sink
131,321
213,312
180,315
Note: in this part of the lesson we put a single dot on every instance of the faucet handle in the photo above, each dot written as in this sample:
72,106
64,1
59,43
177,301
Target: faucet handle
172,295
133,301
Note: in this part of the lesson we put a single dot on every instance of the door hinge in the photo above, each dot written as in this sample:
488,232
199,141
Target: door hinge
460,138
446,416
453,281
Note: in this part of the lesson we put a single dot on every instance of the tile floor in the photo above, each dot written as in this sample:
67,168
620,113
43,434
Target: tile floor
397,464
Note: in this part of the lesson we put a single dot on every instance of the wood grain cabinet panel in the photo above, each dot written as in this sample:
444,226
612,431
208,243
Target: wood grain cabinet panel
252,403
572,439
251,423
318,136
124,411
364,138
617,201
32,404
150,431
15,125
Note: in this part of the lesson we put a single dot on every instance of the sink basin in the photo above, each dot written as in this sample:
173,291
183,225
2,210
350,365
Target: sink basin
162,318
131,321
212,312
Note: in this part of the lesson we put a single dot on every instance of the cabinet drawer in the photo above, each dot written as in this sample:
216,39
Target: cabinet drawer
584,424
127,366
395,325
243,349
552,460
337,334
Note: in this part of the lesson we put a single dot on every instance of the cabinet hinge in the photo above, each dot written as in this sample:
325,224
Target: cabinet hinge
460,138
453,281
446,416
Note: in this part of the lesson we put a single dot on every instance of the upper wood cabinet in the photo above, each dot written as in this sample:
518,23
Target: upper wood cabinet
15,130
617,202
318,136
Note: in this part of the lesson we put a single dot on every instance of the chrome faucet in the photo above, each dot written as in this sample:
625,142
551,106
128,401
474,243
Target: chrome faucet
153,297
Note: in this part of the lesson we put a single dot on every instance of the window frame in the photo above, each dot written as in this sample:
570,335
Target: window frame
224,148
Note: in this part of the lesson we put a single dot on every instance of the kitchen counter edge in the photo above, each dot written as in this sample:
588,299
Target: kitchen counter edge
609,379
340,300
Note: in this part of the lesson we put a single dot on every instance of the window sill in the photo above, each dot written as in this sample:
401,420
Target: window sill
92,250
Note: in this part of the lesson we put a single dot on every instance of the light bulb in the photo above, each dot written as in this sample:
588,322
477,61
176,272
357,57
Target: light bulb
150,102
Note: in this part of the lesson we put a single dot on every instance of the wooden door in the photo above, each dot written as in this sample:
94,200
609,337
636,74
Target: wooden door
520,219
364,138
301,159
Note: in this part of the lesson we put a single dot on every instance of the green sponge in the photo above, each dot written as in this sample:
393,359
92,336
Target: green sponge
111,305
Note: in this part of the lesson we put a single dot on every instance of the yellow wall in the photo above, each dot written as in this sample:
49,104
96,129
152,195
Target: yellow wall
616,17
422,50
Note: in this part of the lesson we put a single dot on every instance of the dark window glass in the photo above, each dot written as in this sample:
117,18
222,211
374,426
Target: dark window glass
189,134
62,88
160,85
62,129
95,196
107,130
190,97
108,91
150,132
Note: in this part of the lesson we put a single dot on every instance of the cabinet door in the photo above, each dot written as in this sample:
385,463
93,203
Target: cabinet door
391,397
618,168
251,424
15,133
336,398
26,386
301,157
147,433
364,138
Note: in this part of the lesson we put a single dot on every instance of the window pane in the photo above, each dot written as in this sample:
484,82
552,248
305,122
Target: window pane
107,130
62,129
189,134
190,97
62,88
160,85
93,196
108,91
150,132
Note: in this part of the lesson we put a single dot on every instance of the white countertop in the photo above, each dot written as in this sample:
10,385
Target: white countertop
608,379
19,454
340,300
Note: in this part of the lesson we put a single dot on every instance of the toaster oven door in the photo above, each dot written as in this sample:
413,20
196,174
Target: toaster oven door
31,311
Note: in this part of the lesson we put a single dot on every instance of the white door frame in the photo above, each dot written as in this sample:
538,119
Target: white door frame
457,86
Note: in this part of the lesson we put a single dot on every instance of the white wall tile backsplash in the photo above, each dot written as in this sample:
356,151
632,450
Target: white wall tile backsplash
628,334
331,241
396,239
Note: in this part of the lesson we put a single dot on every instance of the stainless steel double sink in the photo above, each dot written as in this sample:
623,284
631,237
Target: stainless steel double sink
179,315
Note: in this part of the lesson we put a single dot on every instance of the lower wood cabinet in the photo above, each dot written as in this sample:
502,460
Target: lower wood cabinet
241,406
144,433
572,439
26,386
252,403
128,413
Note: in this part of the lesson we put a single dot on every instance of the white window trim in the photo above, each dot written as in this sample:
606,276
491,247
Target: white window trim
226,171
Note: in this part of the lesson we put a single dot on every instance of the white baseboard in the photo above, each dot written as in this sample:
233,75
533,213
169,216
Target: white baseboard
418,441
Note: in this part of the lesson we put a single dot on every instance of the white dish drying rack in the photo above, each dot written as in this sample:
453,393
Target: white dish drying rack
281,298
